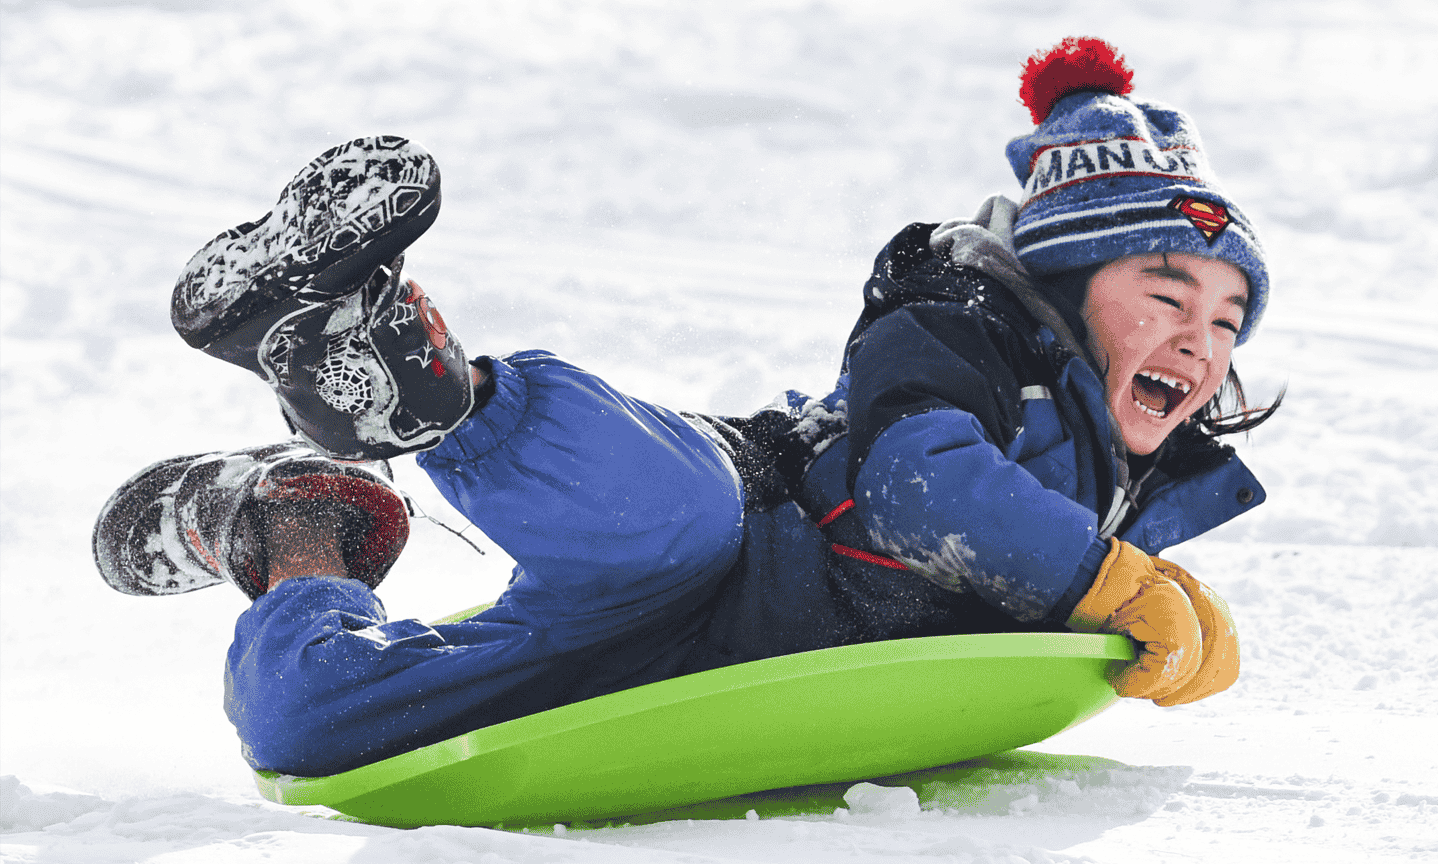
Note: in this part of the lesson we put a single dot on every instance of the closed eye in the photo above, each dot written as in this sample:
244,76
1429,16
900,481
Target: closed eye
1221,322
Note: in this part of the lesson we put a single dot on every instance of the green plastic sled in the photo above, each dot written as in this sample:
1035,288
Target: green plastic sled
841,714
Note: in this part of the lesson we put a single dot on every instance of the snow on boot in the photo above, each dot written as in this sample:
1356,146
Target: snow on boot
371,375
311,299
194,521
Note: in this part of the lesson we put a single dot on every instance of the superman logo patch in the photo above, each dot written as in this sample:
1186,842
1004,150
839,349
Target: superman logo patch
1209,217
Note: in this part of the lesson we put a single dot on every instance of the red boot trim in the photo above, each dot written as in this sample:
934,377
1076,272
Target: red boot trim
389,528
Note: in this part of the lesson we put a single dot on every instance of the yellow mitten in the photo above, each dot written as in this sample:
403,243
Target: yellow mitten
1170,614
1219,667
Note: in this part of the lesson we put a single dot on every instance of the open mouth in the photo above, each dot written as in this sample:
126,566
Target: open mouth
1157,393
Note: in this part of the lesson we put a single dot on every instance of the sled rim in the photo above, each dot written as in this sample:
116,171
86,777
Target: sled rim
553,725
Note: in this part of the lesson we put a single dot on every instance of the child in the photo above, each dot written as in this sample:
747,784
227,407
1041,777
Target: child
1026,414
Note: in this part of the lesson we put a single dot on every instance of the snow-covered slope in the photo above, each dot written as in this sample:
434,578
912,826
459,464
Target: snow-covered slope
684,197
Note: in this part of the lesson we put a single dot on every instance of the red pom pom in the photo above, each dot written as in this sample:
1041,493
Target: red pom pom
1075,64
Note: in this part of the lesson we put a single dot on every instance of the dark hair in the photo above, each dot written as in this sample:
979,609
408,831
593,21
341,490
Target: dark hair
1213,419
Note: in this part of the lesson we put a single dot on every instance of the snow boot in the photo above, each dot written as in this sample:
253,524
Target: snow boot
194,521
310,297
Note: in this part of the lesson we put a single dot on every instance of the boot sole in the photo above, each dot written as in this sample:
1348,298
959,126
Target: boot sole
353,208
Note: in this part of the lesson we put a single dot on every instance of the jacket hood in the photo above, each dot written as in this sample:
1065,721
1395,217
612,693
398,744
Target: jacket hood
909,270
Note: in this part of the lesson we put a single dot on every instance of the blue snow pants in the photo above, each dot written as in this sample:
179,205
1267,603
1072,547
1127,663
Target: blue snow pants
623,518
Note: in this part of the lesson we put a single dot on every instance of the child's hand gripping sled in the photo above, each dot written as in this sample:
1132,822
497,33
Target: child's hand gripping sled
1188,642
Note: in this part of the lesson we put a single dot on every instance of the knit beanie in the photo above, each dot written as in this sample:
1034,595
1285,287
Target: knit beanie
1107,176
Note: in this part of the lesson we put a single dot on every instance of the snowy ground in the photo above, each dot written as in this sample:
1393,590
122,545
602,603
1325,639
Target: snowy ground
684,197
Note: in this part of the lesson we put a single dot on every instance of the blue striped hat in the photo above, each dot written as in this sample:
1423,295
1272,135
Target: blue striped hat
1106,176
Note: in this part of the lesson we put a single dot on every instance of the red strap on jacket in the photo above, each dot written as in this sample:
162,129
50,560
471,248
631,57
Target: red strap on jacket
869,557
858,554
837,512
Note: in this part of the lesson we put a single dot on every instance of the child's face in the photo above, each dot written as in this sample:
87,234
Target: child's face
1163,326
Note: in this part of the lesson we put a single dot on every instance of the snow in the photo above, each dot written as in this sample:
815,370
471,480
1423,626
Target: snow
685,198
